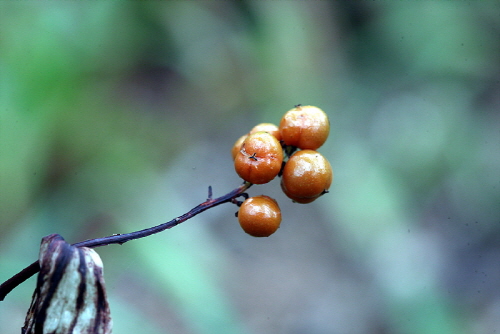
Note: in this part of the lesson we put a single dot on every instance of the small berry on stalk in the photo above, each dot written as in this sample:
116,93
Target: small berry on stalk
259,216
259,158
306,176
305,127
267,127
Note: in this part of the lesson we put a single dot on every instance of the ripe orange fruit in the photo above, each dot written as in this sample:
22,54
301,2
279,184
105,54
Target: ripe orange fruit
306,176
259,216
259,158
305,127
267,127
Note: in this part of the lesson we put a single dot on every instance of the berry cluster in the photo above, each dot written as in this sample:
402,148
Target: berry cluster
288,151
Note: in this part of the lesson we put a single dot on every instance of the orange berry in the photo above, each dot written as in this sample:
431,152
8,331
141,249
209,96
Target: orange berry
267,127
237,145
259,158
305,127
306,176
259,216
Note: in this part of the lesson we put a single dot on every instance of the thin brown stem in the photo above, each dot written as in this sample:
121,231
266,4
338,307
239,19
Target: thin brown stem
33,268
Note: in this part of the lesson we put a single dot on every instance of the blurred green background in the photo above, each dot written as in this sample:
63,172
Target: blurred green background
117,116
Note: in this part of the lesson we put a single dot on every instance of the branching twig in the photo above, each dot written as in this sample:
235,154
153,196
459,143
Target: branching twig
33,268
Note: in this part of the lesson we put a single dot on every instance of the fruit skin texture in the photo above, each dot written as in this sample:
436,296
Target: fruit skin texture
305,127
259,216
237,146
267,127
259,159
306,176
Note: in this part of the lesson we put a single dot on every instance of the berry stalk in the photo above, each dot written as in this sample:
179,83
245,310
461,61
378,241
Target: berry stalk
33,268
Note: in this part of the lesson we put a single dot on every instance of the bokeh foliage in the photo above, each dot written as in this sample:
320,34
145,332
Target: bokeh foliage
116,116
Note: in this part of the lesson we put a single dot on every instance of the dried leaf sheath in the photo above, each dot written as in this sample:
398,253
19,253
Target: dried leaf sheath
70,295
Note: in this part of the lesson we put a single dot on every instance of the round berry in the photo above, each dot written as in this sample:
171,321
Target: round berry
259,158
259,216
237,145
306,176
305,127
267,127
